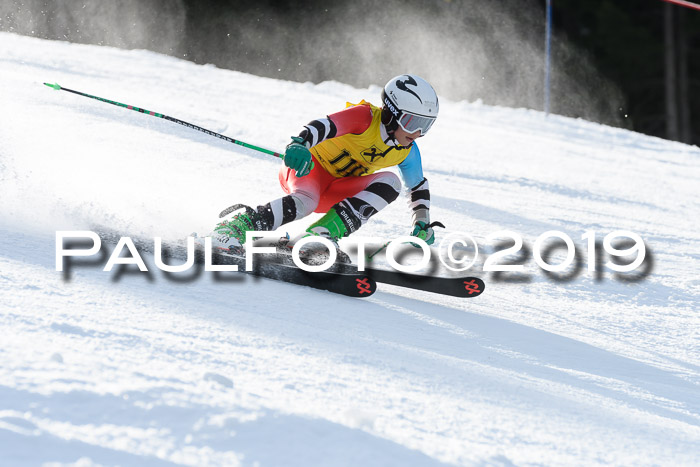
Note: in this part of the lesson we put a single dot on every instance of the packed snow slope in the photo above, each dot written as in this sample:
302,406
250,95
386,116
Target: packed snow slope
141,369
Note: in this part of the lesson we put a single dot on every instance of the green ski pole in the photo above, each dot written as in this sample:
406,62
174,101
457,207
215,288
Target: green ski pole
178,121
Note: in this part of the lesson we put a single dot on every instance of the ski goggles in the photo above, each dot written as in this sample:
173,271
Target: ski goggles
412,122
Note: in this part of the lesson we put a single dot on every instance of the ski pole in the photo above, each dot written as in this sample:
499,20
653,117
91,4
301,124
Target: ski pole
372,255
383,247
180,122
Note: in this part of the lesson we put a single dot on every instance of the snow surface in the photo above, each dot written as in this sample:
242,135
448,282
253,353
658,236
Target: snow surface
138,369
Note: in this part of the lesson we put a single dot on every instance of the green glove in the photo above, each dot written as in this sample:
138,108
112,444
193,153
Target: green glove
424,232
297,157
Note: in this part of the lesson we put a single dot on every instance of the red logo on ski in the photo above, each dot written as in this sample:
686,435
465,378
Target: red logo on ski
472,287
363,286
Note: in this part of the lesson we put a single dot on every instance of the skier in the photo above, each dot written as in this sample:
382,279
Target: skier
331,168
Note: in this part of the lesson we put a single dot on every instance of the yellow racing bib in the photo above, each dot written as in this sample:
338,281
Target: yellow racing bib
354,155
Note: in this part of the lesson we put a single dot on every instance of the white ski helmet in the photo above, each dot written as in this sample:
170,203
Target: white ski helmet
409,102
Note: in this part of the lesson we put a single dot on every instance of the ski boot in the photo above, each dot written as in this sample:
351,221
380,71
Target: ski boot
231,234
332,227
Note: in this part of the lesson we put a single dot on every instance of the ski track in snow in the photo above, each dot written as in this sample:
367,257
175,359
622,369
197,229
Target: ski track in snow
136,369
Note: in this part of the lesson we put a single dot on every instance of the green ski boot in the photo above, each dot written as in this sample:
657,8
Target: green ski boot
230,234
332,227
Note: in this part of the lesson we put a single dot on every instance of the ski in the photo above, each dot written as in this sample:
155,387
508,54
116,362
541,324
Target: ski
350,283
463,287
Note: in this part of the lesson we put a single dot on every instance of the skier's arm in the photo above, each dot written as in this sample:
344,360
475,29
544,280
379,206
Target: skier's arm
354,120
411,170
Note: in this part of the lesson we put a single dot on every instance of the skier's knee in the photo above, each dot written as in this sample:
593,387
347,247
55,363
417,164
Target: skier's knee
305,203
387,185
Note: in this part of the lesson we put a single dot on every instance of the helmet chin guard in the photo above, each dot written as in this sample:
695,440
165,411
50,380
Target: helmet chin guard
409,102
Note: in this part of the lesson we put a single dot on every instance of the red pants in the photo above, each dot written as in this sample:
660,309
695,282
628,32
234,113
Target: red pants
323,190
